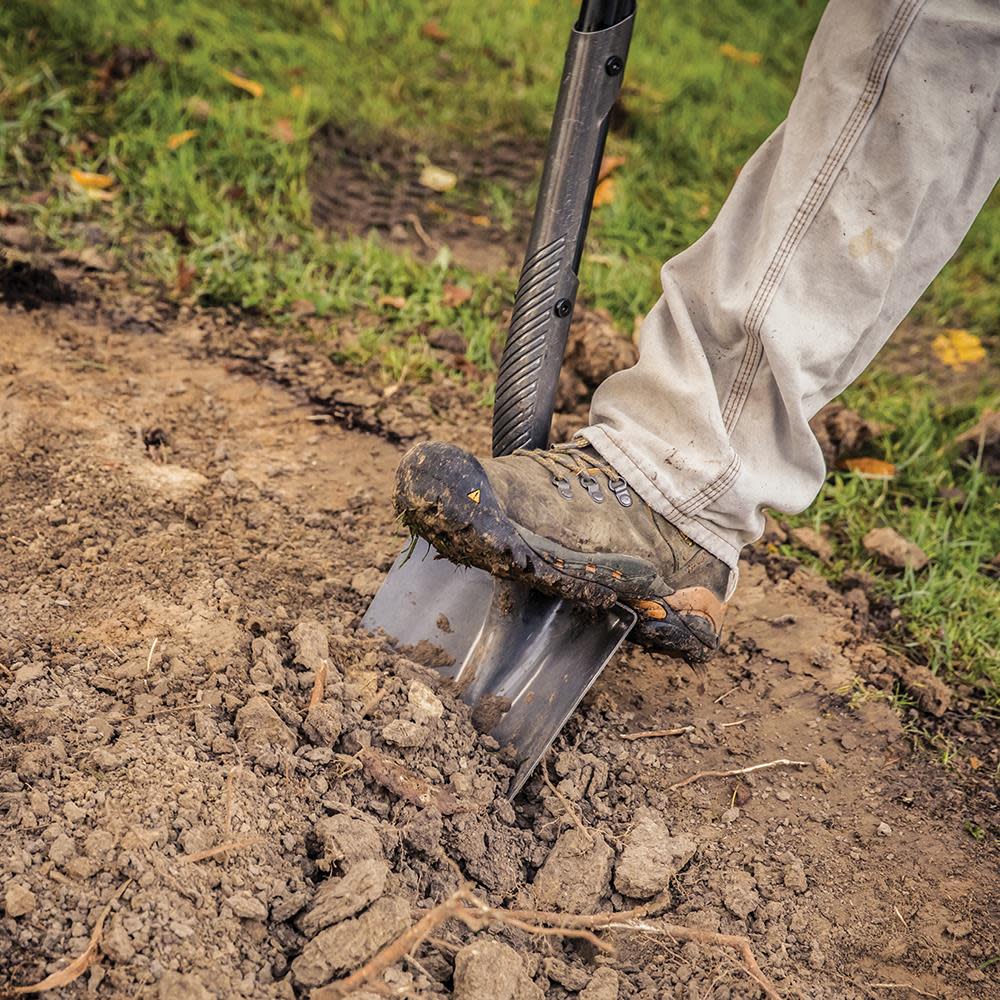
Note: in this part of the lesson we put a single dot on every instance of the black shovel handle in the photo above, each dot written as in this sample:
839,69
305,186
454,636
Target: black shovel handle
546,293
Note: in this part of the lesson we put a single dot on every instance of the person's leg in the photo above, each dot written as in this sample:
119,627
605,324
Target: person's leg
830,234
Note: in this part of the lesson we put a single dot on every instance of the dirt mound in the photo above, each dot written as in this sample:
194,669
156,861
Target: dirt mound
196,736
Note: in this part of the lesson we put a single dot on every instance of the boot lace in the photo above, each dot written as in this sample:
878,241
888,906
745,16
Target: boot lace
568,458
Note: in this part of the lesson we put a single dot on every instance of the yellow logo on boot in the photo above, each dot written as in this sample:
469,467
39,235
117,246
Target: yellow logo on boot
473,496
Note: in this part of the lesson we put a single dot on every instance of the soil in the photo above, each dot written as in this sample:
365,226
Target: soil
196,734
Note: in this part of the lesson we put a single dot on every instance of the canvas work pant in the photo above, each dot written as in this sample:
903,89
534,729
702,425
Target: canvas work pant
832,231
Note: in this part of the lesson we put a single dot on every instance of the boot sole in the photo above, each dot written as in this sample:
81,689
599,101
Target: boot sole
444,495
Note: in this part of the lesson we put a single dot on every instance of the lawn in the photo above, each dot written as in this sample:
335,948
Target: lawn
197,121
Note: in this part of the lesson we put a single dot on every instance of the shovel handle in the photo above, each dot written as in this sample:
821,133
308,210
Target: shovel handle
546,293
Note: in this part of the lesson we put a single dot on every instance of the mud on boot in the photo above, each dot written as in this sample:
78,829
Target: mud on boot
565,522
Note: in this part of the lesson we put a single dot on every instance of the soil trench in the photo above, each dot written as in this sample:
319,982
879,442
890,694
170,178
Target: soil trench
193,731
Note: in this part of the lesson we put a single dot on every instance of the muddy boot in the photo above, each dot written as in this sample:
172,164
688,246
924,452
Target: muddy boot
566,523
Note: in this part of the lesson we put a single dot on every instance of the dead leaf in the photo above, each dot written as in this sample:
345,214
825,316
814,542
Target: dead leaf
869,468
480,220
892,549
283,130
432,30
455,295
395,301
605,192
739,55
179,138
975,763
609,164
83,961
185,276
437,178
252,87
90,181
958,348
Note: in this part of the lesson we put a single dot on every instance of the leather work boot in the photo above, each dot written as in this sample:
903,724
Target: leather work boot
565,522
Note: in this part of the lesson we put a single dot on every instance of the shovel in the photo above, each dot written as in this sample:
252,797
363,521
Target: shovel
521,659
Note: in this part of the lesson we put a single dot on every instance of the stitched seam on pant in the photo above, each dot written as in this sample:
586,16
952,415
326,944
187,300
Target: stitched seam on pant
860,115
692,505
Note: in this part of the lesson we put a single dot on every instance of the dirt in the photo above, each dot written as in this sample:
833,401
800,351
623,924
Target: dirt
195,732
370,184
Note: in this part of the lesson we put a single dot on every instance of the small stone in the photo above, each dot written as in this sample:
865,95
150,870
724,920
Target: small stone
651,858
849,741
884,830
247,907
783,795
603,986
822,765
795,877
576,875
18,900
404,733
425,705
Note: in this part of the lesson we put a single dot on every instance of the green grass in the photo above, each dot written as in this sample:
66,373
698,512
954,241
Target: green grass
232,203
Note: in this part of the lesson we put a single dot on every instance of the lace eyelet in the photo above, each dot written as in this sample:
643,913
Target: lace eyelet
619,487
563,486
591,485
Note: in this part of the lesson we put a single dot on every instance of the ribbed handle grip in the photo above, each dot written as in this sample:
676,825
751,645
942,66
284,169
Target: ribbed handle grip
543,306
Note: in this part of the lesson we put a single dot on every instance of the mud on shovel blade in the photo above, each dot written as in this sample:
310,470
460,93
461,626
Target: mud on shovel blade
520,659
524,660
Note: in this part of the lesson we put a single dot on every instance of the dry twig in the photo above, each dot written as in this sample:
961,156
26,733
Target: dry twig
211,852
781,762
564,802
83,961
318,684
648,734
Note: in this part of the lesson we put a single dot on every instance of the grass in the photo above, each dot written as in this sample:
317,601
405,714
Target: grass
230,207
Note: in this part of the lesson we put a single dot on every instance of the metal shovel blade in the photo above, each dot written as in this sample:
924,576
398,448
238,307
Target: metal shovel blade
522,660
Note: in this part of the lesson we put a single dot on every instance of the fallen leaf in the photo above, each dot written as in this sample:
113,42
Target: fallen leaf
975,763
609,164
455,295
283,130
893,549
437,178
605,192
252,87
395,301
958,348
481,220
83,961
179,138
869,468
434,31
90,181
739,55
185,276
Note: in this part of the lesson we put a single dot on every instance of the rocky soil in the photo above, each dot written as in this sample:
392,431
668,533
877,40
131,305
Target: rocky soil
205,760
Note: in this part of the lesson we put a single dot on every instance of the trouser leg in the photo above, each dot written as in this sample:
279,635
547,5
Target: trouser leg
832,231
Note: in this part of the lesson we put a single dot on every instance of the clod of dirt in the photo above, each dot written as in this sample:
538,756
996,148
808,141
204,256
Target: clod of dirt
892,549
346,945
346,841
603,986
813,542
312,645
22,284
841,432
340,898
266,738
983,438
492,970
424,703
180,986
324,723
932,694
570,976
18,900
651,858
405,733
576,875
738,890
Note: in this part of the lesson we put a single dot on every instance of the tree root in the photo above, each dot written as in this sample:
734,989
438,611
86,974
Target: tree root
781,762
463,905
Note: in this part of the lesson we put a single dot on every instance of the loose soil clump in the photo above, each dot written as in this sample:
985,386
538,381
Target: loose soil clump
213,784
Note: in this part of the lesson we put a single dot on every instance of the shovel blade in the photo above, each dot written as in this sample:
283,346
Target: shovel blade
521,659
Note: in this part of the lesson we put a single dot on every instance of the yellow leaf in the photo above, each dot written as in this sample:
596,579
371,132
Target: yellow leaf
958,348
395,301
336,28
252,87
975,763
91,182
869,468
179,138
298,91
609,164
605,193
437,178
480,220
738,55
